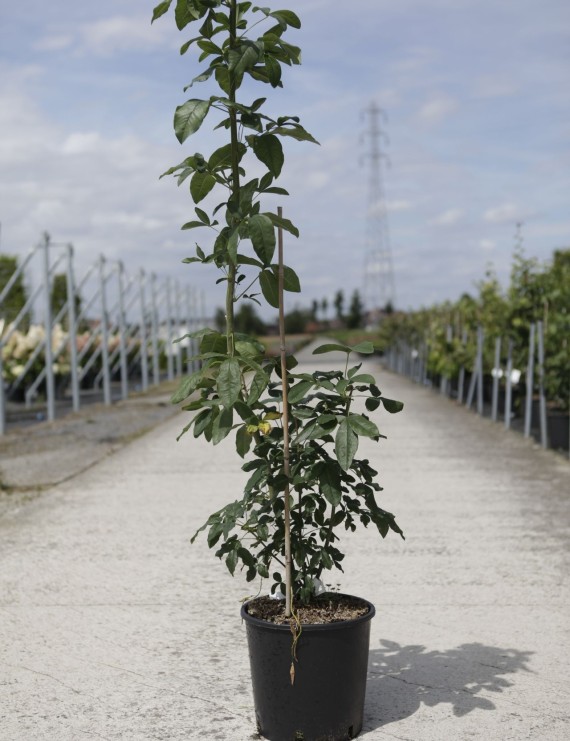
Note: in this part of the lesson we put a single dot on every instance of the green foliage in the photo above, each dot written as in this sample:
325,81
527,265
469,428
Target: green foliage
339,304
238,390
355,312
58,297
536,292
17,296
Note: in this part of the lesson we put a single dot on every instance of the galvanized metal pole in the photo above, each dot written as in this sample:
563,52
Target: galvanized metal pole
72,329
529,382
508,391
2,395
189,348
541,394
144,359
481,339
496,371
154,331
169,349
122,331
178,329
104,333
461,383
50,385
196,325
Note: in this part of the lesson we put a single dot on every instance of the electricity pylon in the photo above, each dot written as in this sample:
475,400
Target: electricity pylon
379,287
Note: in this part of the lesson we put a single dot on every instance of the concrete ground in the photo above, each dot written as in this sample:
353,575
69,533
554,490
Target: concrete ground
113,627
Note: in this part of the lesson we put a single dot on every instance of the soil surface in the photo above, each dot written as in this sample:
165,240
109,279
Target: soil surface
328,608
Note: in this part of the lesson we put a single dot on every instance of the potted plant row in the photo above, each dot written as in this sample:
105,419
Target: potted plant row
296,432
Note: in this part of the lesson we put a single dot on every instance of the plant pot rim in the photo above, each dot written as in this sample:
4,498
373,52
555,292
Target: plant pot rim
310,627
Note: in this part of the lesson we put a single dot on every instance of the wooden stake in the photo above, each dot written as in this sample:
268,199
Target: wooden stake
285,418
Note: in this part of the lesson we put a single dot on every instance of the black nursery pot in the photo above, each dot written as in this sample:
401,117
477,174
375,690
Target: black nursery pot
326,701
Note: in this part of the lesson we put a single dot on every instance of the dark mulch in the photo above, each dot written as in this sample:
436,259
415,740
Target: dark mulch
327,608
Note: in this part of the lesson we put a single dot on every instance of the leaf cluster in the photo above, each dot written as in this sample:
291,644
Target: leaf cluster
237,390
330,487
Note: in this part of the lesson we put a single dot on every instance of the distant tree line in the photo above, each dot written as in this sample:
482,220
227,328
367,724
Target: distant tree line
300,320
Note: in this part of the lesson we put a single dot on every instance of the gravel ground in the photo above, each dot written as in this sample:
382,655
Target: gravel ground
36,457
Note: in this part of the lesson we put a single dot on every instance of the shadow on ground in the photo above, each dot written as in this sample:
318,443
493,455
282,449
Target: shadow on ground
401,678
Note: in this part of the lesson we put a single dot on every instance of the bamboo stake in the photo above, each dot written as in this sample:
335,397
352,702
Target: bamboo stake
286,467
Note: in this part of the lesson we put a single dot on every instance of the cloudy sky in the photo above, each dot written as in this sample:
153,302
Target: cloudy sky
478,120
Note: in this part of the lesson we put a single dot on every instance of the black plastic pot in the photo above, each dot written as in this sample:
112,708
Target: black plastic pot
326,701
558,426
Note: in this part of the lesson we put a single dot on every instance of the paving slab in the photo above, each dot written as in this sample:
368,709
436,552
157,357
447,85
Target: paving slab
112,626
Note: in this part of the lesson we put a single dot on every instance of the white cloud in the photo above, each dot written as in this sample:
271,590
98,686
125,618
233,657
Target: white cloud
398,205
437,109
487,244
448,218
122,33
82,143
505,213
54,42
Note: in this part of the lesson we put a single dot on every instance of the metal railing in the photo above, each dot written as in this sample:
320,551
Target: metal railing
116,326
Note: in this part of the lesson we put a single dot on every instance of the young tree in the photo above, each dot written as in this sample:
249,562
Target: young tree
339,304
248,321
314,310
355,311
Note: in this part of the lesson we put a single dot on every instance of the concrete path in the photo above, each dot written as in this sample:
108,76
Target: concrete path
113,627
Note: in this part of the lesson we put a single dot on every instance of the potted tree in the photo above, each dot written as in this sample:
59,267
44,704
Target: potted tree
297,432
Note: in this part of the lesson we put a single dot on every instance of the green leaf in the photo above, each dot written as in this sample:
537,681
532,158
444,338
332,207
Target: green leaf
189,117
372,404
192,225
363,378
161,9
290,279
362,426
231,561
346,444
229,382
243,441
203,216
329,482
290,18
200,185
262,235
243,58
201,77
222,157
392,406
203,419
187,387
365,348
297,132
298,391
222,425
268,149
331,347
211,341
269,287
249,348
283,223
258,386
232,246
273,69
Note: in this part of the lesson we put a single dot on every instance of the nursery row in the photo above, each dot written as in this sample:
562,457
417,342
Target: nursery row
507,351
